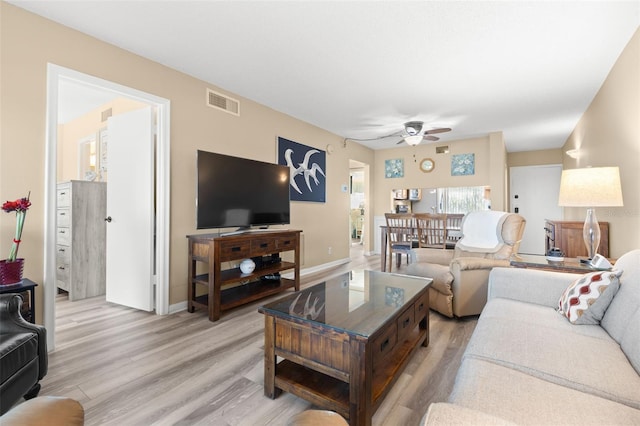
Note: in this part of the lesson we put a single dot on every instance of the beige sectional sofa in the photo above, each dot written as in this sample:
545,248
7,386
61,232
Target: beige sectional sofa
527,364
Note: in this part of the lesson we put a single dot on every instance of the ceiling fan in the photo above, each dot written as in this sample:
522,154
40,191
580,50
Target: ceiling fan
415,135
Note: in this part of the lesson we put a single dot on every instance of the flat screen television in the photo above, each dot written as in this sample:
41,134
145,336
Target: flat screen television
238,192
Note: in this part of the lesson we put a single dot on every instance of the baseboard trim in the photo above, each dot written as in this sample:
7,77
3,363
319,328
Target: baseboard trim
319,268
178,307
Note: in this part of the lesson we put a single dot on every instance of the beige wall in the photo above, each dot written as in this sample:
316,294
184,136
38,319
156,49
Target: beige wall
89,124
608,134
29,42
490,159
534,158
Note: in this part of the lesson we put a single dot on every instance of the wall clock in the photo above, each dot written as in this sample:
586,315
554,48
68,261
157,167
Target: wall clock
427,165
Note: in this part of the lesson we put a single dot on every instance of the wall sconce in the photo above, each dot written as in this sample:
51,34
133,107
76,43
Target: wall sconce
573,153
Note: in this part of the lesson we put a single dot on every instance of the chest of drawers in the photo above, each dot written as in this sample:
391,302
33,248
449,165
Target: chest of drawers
81,238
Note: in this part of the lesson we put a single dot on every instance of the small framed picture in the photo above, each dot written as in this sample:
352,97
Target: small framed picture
394,168
463,164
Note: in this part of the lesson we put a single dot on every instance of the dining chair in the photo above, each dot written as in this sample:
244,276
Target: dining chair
454,230
432,230
401,234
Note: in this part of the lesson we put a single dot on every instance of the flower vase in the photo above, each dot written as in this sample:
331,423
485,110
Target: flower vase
11,272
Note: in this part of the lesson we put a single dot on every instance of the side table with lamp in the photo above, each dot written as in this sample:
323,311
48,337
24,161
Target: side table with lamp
591,187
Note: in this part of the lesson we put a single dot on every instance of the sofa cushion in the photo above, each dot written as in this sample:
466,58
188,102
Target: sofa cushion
529,400
538,316
589,361
588,297
626,302
442,413
631,341
16,350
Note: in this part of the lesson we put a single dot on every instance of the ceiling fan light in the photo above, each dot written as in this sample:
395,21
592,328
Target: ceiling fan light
413,140
413,127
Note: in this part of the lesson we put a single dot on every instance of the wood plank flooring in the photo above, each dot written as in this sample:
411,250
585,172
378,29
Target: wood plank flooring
129,367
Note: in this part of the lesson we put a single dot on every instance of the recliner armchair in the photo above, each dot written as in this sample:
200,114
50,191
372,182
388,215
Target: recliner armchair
23,354
460,276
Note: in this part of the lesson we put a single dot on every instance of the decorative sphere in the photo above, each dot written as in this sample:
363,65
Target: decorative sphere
247,266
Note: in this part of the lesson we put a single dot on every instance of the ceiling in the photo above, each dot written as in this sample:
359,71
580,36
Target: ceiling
361,69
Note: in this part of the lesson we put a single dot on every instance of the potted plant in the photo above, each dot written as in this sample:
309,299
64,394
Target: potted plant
11,268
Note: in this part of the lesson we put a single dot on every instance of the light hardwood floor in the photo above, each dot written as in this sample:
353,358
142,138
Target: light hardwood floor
129,367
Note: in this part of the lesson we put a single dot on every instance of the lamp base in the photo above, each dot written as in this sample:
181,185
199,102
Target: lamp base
591,233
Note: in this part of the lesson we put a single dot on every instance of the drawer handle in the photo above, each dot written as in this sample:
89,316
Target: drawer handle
286,243
63,193
263,245
61,250
405,323
421,307
236,248
62,213
61,268
384,344
62,231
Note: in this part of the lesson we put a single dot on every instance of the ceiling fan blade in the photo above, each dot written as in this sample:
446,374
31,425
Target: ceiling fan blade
431,138
441,130
400,141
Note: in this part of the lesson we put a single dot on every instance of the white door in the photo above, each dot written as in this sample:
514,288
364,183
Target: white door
130,213
534,195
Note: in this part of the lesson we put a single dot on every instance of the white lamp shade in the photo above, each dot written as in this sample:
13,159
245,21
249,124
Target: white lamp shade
590,187
413,140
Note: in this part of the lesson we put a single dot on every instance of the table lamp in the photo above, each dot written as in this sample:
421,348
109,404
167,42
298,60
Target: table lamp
591,187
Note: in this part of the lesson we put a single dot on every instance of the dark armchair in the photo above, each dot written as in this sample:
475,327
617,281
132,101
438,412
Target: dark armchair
23,354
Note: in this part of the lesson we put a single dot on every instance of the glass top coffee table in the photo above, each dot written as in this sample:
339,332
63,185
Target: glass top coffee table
342,344
536,261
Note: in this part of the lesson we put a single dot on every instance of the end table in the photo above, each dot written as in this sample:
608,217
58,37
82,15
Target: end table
21,287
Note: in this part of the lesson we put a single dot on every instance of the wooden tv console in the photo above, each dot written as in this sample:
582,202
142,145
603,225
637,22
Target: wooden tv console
223,289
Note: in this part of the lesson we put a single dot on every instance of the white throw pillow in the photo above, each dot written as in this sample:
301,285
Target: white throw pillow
587,298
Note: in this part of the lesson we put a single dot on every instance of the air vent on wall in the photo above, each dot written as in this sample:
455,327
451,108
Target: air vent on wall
444,149
222,102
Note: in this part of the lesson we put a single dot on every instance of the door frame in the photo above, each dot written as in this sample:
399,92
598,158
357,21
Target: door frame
55,73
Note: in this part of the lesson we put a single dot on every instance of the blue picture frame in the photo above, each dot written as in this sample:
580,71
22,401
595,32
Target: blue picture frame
394,168
463,164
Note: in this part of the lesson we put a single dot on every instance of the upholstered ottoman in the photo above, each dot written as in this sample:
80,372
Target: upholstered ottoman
45,410
317,418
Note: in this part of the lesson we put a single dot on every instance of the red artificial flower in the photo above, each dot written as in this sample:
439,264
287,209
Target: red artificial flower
21,205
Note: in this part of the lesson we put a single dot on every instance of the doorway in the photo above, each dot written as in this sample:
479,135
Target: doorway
358,208
534,195
56,75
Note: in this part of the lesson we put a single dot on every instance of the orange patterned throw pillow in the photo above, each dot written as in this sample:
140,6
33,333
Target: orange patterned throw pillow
587,298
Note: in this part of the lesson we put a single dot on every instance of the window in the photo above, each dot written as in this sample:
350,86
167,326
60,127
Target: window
464,199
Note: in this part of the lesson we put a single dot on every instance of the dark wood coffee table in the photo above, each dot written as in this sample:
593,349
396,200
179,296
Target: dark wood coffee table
342,344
